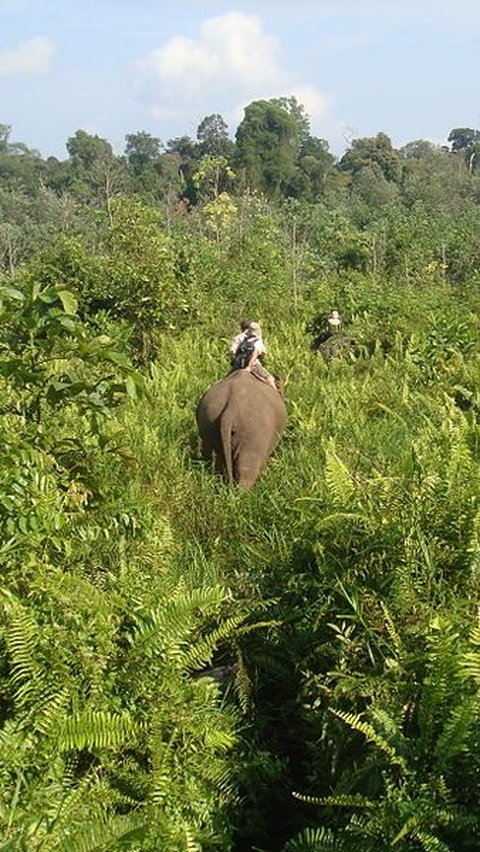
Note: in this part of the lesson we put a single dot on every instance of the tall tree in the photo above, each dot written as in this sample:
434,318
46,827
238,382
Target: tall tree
212,136
185,147
267,146
467,141
314,163
95,174
186,152
21,167
84,149
378,151
298,112
462,138
142,151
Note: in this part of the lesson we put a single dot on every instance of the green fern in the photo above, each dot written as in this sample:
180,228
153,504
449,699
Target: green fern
113,832
338,478
22,639
191,844
471,659
357,724
455,735
314,840
97,729
201,651
169,626
430,843
341,801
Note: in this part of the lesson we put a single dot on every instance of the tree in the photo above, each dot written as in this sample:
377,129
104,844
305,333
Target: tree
187,152
467,141
84,149
462,138
298,112
419,149
267,146
432,174
95,174
376,150
142,151
5,130
314,163
184,146
212,176
212,136
21,167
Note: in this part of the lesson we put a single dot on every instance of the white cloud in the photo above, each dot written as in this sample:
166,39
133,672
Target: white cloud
29,57
231,62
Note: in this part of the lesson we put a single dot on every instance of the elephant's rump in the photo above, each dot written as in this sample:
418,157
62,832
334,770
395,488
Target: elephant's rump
240,420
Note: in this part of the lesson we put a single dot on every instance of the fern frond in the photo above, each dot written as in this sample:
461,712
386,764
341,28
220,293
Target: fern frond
341,801
444,676
453,738
220,777
431,843
392,630
21,636
406,829
314,840
103,834
357,724
471,660
327,521
337,477
201,652
48,715
164,629
243,685
389,726
94,729
191,844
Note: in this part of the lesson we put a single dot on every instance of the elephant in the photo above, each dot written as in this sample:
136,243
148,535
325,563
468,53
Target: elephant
333,346
240,420
329,336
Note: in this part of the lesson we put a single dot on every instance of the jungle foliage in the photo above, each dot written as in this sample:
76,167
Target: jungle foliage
187,667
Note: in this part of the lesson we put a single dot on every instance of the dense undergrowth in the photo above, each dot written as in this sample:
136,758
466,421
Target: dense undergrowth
184,666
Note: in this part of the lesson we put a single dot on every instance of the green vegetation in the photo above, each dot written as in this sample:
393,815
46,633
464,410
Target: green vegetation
184,666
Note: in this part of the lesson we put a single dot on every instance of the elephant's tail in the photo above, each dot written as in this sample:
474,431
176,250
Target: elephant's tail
226,426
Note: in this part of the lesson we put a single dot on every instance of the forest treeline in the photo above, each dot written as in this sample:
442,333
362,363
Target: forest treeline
274,154
185,667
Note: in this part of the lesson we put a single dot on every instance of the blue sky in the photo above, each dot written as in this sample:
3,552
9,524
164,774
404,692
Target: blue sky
410,68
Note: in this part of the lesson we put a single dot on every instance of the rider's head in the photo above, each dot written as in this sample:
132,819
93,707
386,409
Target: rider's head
334,320
253,329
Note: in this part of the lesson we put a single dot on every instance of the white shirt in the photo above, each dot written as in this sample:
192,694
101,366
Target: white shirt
239,338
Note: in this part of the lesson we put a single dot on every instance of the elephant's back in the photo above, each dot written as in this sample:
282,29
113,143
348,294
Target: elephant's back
255,405
244,396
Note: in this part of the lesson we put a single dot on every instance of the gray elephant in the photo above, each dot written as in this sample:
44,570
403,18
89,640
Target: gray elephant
334,346
240,420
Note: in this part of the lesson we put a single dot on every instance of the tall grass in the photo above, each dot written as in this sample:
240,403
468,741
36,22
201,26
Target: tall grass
358,540
370,502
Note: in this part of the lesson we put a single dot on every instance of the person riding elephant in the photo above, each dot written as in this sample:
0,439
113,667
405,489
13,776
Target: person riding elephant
332,341
332,324
247,351
240,421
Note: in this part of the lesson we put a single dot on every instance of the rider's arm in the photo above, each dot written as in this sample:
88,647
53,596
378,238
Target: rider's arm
258,350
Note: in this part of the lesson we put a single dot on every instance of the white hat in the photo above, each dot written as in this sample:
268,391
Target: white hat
334,319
